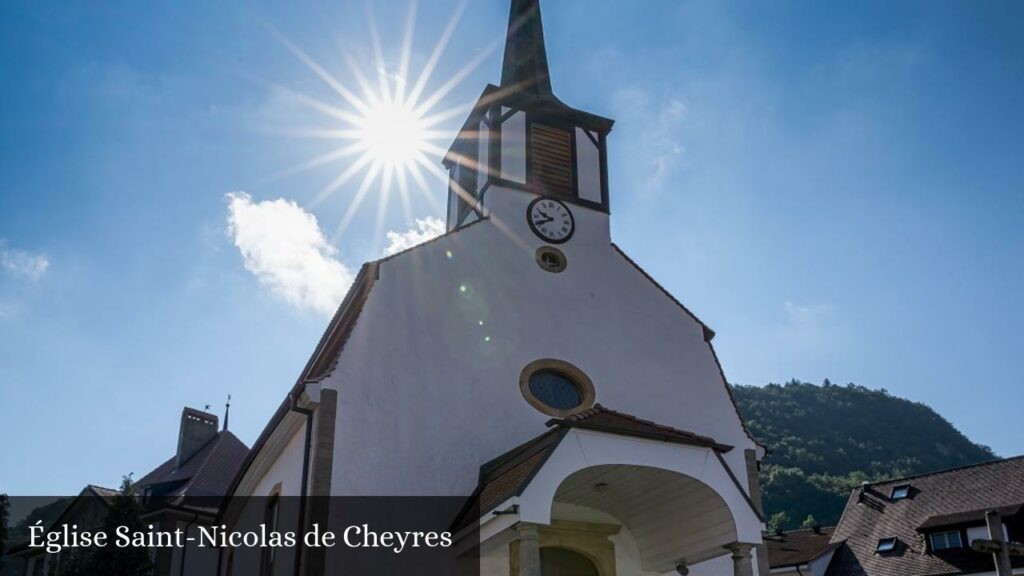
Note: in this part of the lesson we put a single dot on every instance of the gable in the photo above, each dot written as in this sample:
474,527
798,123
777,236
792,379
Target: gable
450,325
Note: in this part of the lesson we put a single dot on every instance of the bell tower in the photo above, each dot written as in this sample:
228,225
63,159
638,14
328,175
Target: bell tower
520,136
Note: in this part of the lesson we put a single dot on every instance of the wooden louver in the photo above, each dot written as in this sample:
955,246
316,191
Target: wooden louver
552,159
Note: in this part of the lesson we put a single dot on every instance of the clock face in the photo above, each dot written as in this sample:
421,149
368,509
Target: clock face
551,220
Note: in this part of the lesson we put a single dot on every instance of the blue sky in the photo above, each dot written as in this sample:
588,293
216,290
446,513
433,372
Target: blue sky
835,188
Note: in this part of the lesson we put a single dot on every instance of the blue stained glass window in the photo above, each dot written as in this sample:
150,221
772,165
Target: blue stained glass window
555,390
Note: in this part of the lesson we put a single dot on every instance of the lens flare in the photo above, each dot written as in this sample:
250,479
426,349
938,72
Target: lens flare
386,131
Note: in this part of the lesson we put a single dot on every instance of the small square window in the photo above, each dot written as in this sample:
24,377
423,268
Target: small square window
946,540
900,492
886,545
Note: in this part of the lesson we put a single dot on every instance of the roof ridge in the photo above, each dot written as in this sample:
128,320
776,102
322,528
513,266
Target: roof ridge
94,486
945,471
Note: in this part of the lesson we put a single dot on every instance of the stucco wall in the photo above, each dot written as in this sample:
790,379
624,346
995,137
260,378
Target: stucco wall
286,469
428,381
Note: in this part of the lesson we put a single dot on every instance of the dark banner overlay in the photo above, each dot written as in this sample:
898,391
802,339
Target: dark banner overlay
106,533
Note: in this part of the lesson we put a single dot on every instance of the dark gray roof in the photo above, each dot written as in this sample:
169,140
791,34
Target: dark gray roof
208,473
956,494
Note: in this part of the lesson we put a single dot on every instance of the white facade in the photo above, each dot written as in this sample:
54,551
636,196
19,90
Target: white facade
427,375
427,382
421,370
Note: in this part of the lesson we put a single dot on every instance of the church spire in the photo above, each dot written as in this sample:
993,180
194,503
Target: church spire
525,68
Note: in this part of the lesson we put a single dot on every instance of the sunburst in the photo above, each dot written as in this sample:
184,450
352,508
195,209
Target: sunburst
388,131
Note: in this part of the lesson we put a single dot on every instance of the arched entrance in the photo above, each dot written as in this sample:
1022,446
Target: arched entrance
565,562
630,496
666,516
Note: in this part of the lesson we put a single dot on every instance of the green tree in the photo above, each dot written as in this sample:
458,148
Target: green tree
810,522
111,560
777,521
826,440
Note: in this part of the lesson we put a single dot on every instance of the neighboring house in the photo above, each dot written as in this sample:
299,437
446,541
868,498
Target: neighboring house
184,492
474,363
800,552
189,488
924,525
87,511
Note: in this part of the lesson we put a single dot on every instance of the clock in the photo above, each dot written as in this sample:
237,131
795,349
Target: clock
551,220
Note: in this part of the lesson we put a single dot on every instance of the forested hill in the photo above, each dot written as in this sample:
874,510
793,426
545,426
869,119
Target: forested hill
825,440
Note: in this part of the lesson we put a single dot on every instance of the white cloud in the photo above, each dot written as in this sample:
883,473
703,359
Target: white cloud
809,330
656,126
283,246
809,319
425,229
22,264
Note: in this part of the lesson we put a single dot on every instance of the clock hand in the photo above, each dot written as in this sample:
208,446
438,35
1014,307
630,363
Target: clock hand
540,222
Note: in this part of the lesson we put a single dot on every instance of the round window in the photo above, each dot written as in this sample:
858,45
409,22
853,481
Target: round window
550,259
556,388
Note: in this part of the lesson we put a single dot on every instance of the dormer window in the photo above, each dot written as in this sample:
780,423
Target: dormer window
946,540
885,545
900,492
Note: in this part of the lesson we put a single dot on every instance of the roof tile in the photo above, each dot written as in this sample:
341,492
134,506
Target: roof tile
870,516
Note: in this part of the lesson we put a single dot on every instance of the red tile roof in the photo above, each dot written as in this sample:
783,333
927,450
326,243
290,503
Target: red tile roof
602,419
797,547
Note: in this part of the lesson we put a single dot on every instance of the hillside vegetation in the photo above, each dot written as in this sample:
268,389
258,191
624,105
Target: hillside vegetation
825,440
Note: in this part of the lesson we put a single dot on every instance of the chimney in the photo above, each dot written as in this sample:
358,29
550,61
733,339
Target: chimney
197,429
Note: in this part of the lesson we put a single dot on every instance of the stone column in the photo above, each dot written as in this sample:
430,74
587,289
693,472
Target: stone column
742,563
529,549
754,487
995,532
318,505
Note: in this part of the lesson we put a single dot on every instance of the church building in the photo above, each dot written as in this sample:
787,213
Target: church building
522,359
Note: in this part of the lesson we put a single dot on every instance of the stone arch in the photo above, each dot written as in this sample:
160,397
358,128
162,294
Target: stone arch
566,561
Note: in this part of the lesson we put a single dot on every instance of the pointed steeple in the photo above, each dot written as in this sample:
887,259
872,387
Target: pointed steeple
520,136
525,68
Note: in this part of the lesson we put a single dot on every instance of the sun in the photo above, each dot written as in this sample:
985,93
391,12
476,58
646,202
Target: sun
385,131
392,135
